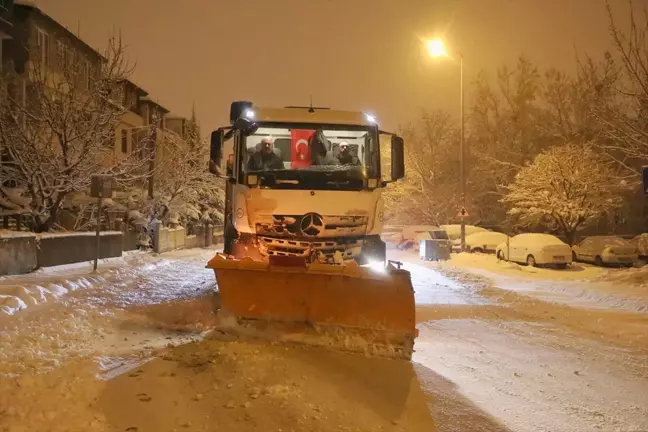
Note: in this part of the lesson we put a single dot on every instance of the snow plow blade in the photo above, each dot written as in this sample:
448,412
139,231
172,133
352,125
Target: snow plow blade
348,308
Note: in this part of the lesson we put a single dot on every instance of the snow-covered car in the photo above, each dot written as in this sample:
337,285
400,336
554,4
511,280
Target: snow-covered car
536,249
641,243
454,233
484,242
602,250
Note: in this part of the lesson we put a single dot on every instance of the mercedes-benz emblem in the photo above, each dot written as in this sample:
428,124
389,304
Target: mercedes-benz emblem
311,224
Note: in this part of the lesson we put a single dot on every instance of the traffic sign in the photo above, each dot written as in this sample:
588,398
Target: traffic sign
463,212
644,174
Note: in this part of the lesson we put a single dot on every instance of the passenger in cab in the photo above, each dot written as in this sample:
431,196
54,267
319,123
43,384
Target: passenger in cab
265,158
345,157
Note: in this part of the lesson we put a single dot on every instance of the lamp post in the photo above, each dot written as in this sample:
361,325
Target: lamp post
436,48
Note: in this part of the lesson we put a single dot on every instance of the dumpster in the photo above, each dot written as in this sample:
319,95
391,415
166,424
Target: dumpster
433,249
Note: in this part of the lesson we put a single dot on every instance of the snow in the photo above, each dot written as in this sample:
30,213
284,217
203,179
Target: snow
454,231
18,292
15,234
579,285
129,348
76,233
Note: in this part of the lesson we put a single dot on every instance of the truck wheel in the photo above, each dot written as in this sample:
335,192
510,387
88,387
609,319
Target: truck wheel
531,262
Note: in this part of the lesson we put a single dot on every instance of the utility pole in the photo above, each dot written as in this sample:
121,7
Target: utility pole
462,162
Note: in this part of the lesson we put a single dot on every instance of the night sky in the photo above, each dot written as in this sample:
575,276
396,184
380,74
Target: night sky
348,54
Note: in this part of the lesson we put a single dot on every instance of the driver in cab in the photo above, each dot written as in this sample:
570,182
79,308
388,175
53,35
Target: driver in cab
265,158
345,156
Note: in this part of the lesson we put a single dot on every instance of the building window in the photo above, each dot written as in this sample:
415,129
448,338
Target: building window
85,74
124,141
43,43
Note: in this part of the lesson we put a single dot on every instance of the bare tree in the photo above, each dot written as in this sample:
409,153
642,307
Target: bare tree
62,130
565,188
626,120
429,192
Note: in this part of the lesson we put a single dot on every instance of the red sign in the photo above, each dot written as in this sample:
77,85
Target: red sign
299,150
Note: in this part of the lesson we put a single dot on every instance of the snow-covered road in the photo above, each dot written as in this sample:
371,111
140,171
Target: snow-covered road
122,351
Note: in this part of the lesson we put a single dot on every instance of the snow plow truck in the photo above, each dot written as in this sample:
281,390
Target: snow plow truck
303,260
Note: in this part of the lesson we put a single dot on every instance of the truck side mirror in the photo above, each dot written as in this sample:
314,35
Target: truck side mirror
246,126
216,150
397,158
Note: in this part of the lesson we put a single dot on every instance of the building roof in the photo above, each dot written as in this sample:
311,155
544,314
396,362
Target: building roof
306,115
148,100
137,87
30,5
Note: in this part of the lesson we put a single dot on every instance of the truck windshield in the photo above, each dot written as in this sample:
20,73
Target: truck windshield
308,154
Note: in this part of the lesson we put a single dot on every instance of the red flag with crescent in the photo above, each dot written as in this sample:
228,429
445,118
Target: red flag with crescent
299,151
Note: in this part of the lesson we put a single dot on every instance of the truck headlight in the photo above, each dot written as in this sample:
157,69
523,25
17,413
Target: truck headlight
252,180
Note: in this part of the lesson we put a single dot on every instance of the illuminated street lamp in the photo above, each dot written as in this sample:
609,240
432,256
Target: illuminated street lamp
436,48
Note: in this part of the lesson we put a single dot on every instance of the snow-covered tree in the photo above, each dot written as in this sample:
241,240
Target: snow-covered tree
61,131
565,189
183,182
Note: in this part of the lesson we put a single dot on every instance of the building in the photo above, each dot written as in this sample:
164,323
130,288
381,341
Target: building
38,38
31,39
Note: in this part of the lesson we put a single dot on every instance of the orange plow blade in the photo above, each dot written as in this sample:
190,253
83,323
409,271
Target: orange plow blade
346,307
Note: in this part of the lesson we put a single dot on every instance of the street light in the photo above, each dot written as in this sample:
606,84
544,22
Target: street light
436,48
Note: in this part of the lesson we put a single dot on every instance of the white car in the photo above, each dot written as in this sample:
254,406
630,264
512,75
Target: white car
484,242
536,249
602,250
454,233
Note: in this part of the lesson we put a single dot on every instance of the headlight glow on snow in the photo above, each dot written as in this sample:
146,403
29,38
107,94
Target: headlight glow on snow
377,266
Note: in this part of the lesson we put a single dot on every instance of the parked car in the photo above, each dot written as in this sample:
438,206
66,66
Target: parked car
602,250
454,233
484,242
536,249
641,243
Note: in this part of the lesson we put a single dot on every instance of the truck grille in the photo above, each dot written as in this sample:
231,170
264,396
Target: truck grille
349,248
326,226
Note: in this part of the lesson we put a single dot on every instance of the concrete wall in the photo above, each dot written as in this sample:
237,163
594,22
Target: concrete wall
22,252
18,254
58,249
168,239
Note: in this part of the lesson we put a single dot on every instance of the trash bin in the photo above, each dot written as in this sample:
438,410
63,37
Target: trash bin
432,249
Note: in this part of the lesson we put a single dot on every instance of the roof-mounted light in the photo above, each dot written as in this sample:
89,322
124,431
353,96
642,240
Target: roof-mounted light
370,118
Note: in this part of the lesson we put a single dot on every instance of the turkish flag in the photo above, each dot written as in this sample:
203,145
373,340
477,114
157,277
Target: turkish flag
299,150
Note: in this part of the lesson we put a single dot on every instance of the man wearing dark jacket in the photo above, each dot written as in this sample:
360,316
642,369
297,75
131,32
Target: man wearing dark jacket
265,159
344,156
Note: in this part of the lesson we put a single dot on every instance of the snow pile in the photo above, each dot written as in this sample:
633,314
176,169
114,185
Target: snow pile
14,298
14,234
634,276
